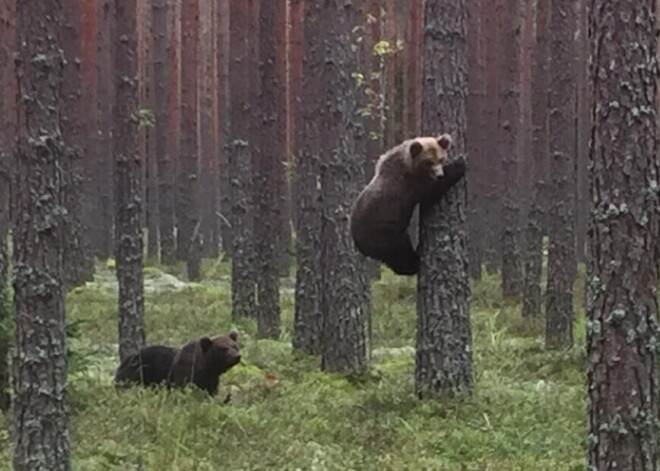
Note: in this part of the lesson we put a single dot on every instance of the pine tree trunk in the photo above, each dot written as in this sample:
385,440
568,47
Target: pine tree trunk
623,273
41,409
7,148
268,155
344,277
162,73
189,234
240,166
78,264
444,339
128,182
308,321
561,256
532,293
103,166
510,27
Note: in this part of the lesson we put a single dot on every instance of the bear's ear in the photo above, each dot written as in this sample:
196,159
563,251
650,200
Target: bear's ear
415,149
445,141
205,343
233,335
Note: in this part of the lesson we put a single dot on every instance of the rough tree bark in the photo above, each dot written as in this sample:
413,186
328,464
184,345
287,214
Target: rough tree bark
532,294
240,162
189,235
41,410
104,243
7,148
162,74
444,339
561,101
78,264
128,182
223,124
308,321
269,155
509,17
622,274
343,269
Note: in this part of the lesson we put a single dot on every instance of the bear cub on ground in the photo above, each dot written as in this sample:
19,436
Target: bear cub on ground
201,362
149,367
416,171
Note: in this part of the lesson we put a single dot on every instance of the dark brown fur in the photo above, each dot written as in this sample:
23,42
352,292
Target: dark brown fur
149,367
414,172
201,362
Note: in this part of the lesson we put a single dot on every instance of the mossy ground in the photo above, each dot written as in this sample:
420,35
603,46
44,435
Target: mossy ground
528,411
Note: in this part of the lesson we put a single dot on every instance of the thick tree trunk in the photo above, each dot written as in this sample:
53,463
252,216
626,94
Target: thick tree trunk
532,293
78,264
623,273
561,256
41,409
444,339
269,154
240,162
128,182
344,308
510,27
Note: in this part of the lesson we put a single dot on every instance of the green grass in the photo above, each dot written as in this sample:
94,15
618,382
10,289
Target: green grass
528,410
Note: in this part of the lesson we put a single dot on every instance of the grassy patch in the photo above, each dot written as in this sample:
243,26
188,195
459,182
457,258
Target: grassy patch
527,412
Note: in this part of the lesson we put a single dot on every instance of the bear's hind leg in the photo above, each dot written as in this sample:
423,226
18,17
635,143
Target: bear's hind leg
401,258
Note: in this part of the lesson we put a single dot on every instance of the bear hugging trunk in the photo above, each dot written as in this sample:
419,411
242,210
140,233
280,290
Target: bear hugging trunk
416,171
199,362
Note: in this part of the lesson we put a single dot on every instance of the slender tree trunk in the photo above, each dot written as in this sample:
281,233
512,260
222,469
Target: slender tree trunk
7,148
623,238
240,162
475,127
561,256
583,126
208,177
104,241
223,123
308,320
128,165
510,25
344,276
189,231
78,265
444,338
532,295
41,410
162,74
268,156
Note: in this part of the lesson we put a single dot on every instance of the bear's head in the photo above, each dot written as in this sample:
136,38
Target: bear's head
427,155
220,353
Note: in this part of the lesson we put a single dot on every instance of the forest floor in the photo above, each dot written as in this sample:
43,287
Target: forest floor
528,410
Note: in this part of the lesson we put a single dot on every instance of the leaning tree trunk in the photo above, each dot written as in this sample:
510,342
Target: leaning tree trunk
128,183
41,408
561,256
344,274
623,280
444,339
308,321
